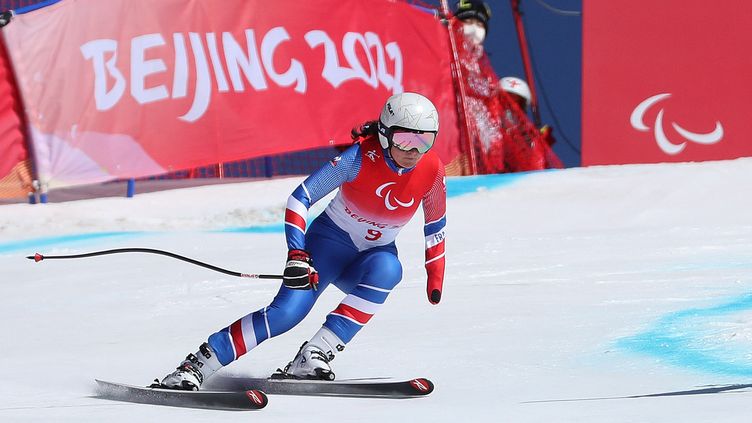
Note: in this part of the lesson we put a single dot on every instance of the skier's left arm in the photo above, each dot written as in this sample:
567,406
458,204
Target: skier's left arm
434,210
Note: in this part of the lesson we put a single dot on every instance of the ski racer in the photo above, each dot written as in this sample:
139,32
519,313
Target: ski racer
381,179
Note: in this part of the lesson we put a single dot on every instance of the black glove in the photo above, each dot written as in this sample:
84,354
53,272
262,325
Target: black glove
299,272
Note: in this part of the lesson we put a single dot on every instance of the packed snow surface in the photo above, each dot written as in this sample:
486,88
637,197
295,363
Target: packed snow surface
602,294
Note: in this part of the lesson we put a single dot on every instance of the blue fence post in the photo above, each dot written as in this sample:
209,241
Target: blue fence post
33,192
131,190
43,193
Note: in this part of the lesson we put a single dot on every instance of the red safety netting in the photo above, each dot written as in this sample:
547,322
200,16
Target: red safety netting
499,137
15,163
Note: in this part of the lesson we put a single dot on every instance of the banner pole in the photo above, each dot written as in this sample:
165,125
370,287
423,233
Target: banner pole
525,53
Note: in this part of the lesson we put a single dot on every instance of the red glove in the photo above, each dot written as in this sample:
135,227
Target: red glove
299,271
435,282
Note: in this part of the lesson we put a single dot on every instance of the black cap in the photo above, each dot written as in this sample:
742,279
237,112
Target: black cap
466,9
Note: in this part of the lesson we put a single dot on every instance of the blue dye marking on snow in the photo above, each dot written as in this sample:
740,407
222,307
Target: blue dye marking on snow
457,186
695,339
264,229
37,243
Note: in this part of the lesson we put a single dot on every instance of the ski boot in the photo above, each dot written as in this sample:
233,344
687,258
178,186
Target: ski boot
192,372
310,363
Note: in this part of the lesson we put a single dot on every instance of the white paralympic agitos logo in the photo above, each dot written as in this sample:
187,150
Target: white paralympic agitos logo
388,197
660,136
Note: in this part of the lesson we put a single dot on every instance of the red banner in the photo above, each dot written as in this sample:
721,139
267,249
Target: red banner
129,88
666,81
15,167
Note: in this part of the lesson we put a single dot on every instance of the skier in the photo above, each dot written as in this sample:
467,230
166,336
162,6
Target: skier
381,180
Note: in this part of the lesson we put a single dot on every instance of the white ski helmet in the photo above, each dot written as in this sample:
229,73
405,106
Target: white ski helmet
410,111
517,86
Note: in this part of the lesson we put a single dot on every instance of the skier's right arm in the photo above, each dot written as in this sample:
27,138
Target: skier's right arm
326,179
299,271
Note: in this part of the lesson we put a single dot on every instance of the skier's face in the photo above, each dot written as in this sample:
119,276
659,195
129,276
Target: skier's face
406,159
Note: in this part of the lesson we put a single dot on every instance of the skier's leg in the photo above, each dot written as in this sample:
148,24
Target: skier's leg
290,306
287,309
367,282
331,249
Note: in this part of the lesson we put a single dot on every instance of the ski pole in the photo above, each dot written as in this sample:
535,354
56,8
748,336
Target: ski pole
39,257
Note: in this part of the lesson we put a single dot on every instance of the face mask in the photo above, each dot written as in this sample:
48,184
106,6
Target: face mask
474,32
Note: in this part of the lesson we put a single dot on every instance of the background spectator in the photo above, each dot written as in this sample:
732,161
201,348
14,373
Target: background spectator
519,92
517,89
474,15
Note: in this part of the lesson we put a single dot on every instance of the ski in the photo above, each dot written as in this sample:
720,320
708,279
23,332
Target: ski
246,399
363,388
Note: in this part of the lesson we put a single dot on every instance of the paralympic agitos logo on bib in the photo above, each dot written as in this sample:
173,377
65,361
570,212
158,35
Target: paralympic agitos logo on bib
391,202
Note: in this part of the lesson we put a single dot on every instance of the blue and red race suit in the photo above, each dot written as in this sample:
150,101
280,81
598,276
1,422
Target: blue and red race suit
351,243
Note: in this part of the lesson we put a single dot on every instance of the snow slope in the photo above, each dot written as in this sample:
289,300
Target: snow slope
603,294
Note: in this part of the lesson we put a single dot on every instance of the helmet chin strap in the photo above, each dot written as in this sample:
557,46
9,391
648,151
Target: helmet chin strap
388,155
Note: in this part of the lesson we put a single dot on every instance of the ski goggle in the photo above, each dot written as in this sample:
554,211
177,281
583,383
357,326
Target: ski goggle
408,140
